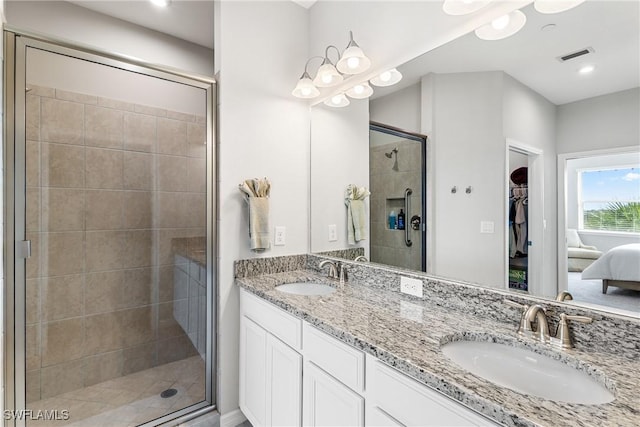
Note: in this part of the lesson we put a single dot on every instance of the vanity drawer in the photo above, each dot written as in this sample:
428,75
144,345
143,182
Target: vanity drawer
342,361
273,319
414,404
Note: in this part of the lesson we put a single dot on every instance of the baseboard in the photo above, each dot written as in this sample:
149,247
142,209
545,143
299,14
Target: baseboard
232,419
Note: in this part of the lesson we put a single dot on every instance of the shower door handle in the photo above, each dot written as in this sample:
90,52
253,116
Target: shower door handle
23,249
407,209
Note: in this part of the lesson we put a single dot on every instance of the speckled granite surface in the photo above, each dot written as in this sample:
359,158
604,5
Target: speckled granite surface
407,333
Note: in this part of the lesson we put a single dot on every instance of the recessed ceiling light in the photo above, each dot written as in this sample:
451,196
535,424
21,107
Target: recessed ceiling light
502,27
586,69
161,3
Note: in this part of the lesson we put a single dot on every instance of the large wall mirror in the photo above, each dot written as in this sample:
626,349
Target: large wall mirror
524,148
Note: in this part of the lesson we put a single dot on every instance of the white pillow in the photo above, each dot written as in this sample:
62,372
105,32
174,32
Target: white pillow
573,240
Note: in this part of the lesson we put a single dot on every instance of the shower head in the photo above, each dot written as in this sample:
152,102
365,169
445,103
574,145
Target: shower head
390,153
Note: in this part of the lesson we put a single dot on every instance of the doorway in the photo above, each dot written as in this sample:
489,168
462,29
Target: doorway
397,176
110,291
524,236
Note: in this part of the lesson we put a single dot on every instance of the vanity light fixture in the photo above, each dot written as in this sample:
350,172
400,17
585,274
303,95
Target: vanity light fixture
353,60
161,3
502,27
360,91
387,78
463,7
328,75
339,100
555,6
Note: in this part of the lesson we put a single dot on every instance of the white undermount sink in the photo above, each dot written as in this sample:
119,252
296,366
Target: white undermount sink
306,288
527,372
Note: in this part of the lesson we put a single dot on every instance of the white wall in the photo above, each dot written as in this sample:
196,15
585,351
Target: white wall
339,157
264,131
606,121
467,150
85,27
401,109
531,119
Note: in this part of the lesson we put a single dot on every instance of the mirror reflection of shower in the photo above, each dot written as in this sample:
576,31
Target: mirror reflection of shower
390,154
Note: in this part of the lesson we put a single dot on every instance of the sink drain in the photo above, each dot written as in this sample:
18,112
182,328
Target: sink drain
170,392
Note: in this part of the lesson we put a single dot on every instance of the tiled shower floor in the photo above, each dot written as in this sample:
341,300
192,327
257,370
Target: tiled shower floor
130,400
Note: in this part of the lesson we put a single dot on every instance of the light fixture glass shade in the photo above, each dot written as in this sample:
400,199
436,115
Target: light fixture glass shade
360,91
305,88
337,101
387,78
502,27
555,6
327,75
353,61
463,7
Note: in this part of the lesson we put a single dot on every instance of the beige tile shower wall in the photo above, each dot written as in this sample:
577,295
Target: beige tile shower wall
109,185
388,246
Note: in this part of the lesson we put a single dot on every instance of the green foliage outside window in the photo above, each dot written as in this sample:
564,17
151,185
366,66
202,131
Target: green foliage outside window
616,216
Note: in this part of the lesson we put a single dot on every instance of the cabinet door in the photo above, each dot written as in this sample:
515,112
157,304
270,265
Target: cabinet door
328,402
376,417
253,372
284,384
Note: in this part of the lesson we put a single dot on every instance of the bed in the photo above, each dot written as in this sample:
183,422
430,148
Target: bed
619,267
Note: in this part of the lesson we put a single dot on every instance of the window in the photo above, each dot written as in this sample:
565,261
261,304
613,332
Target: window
609,199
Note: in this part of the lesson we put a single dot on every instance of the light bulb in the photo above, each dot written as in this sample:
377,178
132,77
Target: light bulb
386,76
353,62
306,91
500,23
327,78
336,99
358,89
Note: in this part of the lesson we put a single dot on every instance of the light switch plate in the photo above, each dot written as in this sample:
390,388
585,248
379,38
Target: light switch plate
281,236
487,227
411,286
333,232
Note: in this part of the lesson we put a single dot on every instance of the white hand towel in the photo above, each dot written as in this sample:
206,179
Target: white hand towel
356,213
257,196
259,223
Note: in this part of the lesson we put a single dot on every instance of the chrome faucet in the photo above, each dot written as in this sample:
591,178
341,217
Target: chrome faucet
525,326
333,269
538,313
361,258
343,274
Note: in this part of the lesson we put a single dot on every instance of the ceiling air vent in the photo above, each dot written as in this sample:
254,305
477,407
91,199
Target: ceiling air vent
576,54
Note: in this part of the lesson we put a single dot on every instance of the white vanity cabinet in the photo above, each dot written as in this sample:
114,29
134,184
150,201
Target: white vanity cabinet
394,399
341,386
270,366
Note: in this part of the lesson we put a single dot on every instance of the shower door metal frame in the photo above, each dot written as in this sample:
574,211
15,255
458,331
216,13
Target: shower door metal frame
16,43
422,139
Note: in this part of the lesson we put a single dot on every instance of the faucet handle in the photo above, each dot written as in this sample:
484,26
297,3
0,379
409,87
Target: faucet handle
343,274
563,337
525,325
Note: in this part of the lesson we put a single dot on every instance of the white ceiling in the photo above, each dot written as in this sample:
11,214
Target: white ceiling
612,28
190,20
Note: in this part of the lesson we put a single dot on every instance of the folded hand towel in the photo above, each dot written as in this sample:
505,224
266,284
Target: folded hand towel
257,196
259,223
356,213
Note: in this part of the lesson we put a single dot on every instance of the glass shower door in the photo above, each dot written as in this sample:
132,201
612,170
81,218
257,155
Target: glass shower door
117,290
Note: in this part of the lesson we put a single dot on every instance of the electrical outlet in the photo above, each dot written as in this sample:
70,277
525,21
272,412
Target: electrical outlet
411,286
281,236
333,232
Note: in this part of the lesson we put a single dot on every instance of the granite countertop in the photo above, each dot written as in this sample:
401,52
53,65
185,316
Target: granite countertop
407,333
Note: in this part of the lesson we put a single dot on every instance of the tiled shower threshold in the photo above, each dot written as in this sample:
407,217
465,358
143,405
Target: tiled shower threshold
130,400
